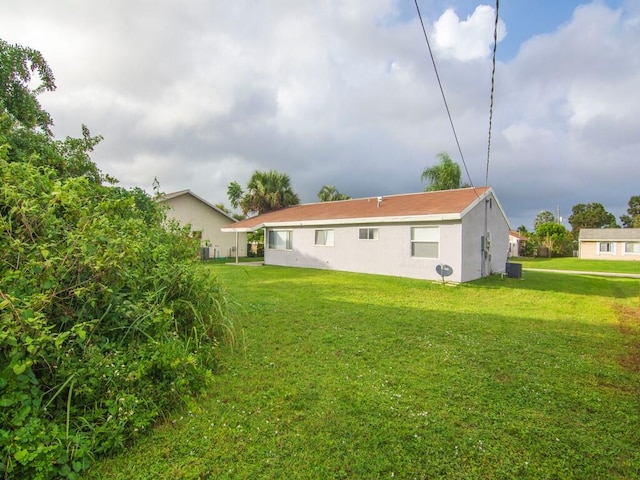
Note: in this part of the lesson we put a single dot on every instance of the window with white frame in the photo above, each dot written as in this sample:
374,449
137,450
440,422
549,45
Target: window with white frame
632,248
280,239
368,233
324,238
607,247
425,242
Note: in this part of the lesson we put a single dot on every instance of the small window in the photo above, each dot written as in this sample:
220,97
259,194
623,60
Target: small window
632,248
606,247
324,238
368,234
425,242
280,239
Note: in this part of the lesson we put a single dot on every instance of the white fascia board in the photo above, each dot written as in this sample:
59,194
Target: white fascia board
598,239
241,230
447,217
484,196
472,205
367,220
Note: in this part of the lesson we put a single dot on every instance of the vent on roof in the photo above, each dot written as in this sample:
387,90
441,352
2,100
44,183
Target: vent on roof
380,198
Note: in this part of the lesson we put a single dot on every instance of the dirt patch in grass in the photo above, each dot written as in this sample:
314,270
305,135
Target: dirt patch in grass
629,324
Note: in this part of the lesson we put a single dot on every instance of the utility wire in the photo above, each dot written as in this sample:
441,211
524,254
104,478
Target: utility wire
444,98
493,77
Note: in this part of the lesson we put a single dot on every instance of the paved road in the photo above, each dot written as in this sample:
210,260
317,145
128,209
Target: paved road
578,272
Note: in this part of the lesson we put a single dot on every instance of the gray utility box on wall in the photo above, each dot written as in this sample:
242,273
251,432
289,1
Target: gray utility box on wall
514,270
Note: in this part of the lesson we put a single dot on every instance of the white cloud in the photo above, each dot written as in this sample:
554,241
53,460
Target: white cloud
467,39
341,93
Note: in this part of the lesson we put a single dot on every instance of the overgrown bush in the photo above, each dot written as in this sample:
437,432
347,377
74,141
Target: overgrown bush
106,321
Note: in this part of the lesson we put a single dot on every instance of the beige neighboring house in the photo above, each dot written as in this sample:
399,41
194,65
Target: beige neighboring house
609,243
187,207
410,235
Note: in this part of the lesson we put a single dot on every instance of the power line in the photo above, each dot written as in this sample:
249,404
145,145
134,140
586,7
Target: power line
493,76
444,98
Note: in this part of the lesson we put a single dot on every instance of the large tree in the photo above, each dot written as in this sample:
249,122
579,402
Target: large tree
632,218
329,193
445,175
555,238
20,67
590,215
25,127
545,216
266,191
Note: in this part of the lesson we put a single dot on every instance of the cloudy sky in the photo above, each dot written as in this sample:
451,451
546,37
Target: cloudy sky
343,92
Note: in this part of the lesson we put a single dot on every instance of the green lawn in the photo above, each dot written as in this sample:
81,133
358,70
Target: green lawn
572,263
364,377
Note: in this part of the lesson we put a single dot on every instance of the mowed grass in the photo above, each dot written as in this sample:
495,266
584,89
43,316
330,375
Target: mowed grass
572,263
363,377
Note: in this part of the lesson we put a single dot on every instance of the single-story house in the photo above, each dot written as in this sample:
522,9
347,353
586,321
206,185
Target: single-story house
207,220
517,241
411,235
609,243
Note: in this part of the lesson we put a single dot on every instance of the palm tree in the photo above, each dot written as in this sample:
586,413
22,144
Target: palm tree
266,191
446,175
329,193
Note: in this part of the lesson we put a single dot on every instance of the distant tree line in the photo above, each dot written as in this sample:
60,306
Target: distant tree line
556,240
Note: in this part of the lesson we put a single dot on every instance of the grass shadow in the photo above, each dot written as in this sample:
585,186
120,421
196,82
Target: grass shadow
589,285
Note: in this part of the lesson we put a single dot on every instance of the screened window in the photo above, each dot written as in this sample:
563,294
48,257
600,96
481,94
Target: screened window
632,248
280,239
368,233
425,242
324,238
606,247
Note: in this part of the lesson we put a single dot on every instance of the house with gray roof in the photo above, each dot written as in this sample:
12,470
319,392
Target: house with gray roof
462,232
609,244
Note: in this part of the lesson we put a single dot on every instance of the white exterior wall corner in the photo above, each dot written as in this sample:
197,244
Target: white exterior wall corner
187,209
472,233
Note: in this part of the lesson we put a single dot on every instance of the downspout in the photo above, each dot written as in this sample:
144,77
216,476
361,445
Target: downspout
237,246
483,265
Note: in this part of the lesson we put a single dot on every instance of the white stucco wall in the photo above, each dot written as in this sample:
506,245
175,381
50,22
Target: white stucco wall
390,254
188,209
472,233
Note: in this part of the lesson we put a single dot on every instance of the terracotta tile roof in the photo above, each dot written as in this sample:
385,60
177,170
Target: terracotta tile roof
445,204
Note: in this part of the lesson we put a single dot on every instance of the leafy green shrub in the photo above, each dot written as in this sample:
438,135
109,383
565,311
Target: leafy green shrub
106,321
553,239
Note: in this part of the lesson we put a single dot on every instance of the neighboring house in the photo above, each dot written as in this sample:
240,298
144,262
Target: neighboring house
402,235
609,243
188,208
516,243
